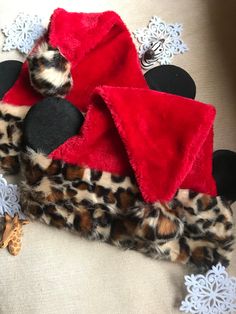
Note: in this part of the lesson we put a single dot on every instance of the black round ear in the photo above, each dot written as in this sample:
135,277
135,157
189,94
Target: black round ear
171,79
49,123
224,172
9,72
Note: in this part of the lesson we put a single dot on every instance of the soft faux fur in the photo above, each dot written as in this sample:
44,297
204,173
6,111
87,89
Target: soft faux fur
172,135
11,136
50,71
89,185
192,228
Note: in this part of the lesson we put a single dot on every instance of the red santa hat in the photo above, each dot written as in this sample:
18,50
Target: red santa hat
166,140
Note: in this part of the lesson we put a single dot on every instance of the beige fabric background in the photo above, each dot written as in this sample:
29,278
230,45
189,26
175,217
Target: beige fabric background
60,273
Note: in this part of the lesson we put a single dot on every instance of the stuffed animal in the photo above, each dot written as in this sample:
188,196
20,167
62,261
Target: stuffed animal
117,163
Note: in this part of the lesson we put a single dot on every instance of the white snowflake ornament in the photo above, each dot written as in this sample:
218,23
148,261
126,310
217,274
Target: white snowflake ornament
22,33
214,293
9,199
163,38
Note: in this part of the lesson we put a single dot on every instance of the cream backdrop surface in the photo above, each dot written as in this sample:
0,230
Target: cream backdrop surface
57,272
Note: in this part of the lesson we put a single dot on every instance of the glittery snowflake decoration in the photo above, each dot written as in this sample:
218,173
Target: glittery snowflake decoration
166,38
9,199
213,293
22,33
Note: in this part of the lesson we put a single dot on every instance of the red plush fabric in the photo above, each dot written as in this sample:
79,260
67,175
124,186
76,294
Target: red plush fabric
169,140
165,139
100,50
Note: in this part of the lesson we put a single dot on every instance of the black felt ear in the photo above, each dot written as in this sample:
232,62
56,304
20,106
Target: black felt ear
49,123
224,172
9,72
171,79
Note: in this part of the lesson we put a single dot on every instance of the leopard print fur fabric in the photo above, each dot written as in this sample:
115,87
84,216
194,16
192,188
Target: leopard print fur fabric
193,228
49,71
11,119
